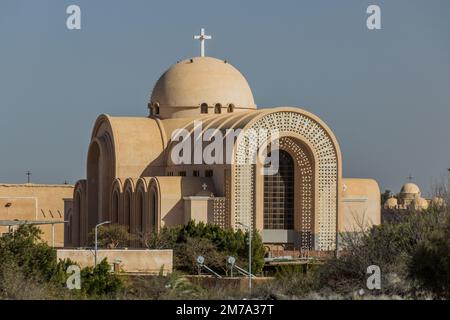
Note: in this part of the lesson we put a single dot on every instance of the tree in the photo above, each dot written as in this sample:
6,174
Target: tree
112,236
385,195
218,243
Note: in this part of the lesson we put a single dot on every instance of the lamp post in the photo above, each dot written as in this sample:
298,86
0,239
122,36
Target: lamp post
96,240
249,255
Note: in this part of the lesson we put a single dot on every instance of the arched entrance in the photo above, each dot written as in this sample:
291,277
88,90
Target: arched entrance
289,198
317,177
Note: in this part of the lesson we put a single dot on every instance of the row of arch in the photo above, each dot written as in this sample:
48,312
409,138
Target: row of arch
133,203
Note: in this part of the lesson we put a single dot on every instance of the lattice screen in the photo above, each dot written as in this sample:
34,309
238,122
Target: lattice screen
327,172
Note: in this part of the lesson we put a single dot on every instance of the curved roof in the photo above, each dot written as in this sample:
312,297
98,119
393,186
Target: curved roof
192,82
138,143
236,121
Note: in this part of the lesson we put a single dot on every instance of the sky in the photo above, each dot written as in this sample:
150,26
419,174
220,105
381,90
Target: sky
385,93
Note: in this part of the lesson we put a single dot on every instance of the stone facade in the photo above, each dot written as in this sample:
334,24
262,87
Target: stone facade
36,202
132,178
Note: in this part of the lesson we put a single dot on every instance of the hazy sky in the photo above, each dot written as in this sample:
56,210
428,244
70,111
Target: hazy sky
385,93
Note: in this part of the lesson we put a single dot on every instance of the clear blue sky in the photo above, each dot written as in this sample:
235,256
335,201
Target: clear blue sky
386,93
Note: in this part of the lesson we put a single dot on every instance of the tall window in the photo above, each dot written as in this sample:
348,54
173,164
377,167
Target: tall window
127,211
204,108
218,108
115,207
279,195
140,210
153,210
230,107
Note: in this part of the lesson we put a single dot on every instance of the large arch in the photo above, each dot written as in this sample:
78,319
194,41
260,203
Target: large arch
93,184
100,175
303,188
318,139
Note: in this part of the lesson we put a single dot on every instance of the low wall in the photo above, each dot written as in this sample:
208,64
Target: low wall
136,261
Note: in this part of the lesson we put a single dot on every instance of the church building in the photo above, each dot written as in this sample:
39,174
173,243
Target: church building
133,180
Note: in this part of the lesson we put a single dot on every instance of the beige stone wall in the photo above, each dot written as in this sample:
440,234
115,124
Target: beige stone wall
361,205
145,261
33,202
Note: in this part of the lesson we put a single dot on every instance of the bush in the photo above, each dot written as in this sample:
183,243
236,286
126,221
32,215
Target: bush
25,249
391,246
99,282
212,241
430,263
111,236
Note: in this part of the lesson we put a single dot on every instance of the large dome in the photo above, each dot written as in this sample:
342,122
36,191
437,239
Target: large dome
410,188
191,83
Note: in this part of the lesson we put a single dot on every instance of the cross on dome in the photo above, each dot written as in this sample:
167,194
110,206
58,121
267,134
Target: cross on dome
202,37
204,186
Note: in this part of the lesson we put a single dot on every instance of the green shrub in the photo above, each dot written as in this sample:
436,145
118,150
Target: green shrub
111,236
99,282
430,263
216,244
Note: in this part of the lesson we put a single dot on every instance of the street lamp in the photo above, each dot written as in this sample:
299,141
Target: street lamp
96,242
249,255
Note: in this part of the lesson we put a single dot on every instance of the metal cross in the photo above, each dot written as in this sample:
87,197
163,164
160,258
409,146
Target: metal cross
202,37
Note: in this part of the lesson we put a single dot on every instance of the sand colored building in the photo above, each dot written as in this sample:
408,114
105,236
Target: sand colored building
37,202
135,176
410,197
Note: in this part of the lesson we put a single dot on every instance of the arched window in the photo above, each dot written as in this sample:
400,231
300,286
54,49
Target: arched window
154,108
153,210
140,212
127,211
230,107
218,108
204,108
115,208
279,195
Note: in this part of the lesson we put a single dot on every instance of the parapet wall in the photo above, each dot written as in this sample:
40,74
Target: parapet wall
135,261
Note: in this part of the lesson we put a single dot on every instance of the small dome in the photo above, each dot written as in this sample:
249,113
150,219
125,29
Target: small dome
438,202
420,204
410,188
191,83
391,203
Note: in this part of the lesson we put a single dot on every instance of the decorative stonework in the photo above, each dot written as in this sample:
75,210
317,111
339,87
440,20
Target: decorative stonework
219,212
305,189
326,160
